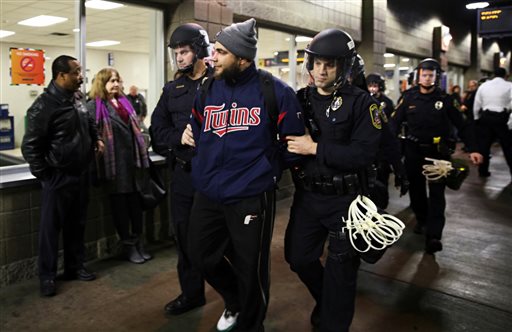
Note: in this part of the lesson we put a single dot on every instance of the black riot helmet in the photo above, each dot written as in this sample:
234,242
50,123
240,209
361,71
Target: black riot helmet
429,64
193,35
333,44
357,73
377,79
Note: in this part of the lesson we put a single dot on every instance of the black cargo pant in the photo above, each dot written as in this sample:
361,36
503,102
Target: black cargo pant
182,198
490,127
63,207
230,243
429,209
333,287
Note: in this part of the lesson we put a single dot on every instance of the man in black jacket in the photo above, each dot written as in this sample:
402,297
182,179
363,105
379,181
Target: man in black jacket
58,144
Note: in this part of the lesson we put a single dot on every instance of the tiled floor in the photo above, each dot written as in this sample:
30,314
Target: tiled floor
466,287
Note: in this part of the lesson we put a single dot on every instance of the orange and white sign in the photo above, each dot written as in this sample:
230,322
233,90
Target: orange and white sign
27,66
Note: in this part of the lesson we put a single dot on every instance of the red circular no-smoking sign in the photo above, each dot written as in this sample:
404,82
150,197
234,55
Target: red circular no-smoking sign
27,64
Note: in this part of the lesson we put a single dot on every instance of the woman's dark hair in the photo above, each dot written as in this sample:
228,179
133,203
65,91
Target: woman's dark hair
61,65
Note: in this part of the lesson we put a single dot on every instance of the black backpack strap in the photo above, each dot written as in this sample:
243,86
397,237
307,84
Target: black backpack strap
270,99
204,88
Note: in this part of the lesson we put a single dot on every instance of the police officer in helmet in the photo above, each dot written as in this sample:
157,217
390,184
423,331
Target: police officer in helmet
430,115
377,87
189,44
344,132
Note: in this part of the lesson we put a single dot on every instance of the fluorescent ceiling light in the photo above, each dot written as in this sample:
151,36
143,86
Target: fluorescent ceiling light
388,55
76,30
389,65
405,59
5,33
476,5
102,5
43,21
301,39
102,43
403,68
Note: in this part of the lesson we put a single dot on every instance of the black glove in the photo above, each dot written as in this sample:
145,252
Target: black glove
402,182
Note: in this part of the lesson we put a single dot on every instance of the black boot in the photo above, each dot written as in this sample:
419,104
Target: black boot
132,254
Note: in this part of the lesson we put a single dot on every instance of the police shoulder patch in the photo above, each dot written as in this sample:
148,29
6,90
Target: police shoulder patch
374,114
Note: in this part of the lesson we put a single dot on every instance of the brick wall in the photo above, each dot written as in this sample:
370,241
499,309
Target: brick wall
19,224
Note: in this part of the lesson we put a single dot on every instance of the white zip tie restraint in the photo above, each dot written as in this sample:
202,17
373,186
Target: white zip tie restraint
440,168
377,230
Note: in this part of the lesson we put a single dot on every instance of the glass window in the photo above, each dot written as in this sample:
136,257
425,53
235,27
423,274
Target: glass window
132,41
397,69
274,49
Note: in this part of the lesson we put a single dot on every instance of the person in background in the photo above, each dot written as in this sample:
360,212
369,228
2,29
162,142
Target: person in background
237,165
469,99
125,155
138,102
189,44
59,144
455,93
430,115
492,112
377,88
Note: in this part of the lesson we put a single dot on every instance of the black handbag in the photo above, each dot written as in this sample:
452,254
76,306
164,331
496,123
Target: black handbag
151,187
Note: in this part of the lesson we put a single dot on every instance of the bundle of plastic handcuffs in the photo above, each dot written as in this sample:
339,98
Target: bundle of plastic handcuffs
438,170
377,231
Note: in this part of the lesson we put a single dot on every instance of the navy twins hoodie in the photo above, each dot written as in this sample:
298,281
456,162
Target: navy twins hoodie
236,155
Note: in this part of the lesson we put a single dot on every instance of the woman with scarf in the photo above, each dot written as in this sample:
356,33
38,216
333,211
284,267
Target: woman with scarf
123,160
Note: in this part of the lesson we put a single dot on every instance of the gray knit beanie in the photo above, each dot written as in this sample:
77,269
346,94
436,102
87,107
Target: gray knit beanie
240,39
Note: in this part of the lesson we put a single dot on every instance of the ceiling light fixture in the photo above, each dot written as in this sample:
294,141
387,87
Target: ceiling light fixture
42,21
477,5
102,43
5,33
388,55
102,5
302,39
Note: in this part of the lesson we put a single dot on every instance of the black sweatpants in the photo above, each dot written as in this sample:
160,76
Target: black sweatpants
312,216
63,206
230,243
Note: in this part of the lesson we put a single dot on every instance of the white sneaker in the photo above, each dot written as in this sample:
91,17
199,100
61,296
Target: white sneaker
227,321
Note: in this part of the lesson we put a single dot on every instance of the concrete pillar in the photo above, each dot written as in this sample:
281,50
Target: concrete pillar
373,45
474,70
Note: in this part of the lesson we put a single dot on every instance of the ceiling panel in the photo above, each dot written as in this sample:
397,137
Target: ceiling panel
128,24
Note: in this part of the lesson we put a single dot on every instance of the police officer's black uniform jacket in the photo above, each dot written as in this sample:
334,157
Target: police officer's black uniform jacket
171,116
60,134
430,119
348,136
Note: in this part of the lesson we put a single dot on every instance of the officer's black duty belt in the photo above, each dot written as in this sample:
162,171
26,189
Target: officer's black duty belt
341,184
